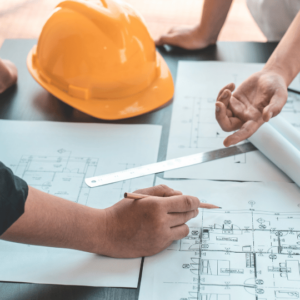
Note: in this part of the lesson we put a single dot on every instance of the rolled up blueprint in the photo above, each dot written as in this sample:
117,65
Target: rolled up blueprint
271,141
287,130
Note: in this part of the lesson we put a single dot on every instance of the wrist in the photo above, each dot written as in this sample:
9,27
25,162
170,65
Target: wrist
277,71
275,67
90,230
205,35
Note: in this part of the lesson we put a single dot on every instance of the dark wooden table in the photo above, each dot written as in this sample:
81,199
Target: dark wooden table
28,101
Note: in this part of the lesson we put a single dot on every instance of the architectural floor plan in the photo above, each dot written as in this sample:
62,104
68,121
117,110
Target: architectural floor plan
56,158
194,127
260,254
63,175
250,249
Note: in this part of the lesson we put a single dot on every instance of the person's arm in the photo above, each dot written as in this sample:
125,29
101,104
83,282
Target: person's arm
285,60
127,229
8,74
263,95
203,34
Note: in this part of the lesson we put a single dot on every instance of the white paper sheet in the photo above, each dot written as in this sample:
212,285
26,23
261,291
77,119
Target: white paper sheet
55,158
287,130
194,128
248,250
280,142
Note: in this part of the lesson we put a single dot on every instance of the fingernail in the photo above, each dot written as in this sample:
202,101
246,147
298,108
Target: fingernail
217,108
270,115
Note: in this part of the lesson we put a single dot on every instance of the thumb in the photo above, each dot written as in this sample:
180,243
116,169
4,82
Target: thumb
169,39
274,108
267,114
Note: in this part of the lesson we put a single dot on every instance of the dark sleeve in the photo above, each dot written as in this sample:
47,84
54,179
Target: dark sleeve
13,194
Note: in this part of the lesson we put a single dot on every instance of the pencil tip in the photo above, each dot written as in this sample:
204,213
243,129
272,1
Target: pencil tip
220,207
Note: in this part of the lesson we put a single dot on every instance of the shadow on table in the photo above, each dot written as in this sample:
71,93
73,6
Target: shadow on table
51,108
26,291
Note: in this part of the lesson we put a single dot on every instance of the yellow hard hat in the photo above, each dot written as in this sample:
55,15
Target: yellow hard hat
99,58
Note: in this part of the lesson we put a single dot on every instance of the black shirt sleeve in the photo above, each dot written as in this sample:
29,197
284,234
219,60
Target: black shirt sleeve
13,194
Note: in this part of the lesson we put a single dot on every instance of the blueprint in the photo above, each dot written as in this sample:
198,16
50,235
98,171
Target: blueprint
63,176
194,128
280,142
250,249
56,158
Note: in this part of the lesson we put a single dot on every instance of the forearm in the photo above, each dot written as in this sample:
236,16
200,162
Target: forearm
285,60
55,222
213,18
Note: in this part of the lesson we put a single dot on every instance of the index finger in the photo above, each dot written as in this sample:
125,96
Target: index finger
245,132
159,191
181,203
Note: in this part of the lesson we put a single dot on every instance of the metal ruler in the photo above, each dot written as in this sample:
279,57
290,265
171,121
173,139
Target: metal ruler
168,165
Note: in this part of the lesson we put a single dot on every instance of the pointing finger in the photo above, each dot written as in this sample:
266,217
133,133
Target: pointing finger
159,191
245,132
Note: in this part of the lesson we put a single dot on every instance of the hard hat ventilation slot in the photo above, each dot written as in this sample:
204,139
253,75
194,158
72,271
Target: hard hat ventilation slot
44,77
78,92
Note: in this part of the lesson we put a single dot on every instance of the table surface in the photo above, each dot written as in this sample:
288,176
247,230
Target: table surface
28,101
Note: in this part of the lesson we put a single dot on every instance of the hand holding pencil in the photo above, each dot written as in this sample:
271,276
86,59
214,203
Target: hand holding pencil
136,196
145,227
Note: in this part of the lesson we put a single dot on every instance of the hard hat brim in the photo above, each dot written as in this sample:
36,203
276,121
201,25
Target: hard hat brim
157,94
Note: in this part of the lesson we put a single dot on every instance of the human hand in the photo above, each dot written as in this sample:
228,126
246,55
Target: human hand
8,74
189,38
136,228
258,99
